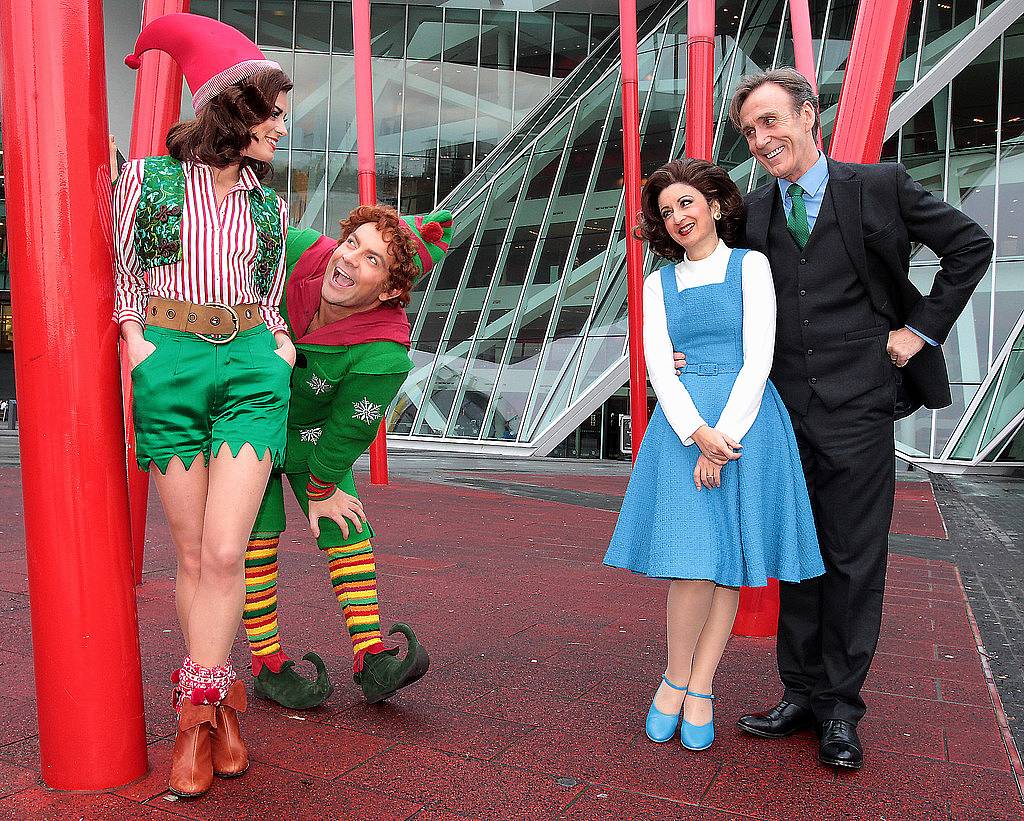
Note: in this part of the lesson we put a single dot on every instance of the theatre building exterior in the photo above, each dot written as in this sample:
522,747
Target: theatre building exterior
512,120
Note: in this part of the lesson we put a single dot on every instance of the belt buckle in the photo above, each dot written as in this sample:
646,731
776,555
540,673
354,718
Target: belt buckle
234,319
707,370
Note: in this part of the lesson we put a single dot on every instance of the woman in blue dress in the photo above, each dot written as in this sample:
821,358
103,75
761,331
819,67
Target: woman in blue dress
717,499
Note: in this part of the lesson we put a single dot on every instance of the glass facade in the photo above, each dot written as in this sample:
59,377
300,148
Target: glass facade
449,85
520,335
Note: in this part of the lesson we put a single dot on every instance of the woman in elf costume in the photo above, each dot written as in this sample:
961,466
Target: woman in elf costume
199,273
344,304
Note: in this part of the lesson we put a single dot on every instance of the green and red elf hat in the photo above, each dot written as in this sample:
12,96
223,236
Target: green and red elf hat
431,235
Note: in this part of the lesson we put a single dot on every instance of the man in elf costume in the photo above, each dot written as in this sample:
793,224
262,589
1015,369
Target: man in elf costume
344,305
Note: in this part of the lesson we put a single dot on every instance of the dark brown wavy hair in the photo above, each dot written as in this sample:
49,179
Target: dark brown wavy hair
403,271
713,182
223,127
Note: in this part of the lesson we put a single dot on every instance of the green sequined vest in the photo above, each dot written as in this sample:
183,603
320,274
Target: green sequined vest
158,221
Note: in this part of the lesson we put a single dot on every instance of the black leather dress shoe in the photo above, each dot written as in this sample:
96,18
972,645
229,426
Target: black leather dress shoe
784,719
840,746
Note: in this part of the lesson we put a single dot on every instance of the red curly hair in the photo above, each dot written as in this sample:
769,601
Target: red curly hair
402,272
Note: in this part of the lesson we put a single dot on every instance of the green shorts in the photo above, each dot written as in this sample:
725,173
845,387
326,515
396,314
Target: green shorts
190,396
270,521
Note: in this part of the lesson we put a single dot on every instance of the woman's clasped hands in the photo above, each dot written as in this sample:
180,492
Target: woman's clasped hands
716,450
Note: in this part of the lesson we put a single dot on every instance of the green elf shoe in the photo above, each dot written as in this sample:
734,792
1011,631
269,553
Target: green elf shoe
290,689
383,673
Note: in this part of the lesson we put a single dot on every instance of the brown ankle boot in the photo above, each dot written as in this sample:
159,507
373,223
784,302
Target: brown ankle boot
192,759
230,758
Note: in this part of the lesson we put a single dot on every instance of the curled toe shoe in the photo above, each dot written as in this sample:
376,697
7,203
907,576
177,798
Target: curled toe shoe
698,736
662,726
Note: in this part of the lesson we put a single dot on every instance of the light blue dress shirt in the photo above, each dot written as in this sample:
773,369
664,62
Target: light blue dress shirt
814,181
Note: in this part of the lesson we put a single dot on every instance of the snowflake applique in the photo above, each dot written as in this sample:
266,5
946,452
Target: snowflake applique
311,435
317,385
366,411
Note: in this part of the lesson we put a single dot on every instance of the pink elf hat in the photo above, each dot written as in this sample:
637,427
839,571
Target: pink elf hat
212,54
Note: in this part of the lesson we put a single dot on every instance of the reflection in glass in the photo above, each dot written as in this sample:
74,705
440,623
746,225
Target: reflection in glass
308,199
313,25
275,28
310,101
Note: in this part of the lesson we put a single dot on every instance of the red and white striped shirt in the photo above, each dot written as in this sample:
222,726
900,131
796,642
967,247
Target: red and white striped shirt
218,248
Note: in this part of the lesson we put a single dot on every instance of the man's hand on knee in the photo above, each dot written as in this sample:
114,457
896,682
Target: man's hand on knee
341,508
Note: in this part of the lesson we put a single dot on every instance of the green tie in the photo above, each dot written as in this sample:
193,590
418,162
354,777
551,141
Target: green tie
797,222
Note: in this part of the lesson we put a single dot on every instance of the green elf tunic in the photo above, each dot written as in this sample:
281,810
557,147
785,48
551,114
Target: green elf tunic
346,374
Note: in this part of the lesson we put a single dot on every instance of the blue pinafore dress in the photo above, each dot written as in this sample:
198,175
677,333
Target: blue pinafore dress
758,524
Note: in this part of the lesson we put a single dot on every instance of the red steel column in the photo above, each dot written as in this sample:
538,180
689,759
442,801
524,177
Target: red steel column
634,253
870,78
84,621
803,48
367,178
700,81
157,108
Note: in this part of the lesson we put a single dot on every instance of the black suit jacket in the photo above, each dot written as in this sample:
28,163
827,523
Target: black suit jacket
881,210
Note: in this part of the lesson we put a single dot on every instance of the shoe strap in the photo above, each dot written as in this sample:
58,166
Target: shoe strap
670,684
702,695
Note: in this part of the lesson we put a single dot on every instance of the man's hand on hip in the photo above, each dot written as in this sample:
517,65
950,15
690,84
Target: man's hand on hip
903,345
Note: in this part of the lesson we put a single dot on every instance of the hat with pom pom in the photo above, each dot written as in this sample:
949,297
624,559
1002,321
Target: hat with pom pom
212,54
431,234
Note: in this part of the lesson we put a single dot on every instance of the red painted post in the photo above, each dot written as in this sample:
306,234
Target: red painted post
870,78
634,253
700,81
84,621
803,48
367,177
157,108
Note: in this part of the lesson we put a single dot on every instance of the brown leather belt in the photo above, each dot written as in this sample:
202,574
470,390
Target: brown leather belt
213,322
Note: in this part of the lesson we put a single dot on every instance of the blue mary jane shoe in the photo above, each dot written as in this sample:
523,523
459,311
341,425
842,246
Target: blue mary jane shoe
661,726
698,737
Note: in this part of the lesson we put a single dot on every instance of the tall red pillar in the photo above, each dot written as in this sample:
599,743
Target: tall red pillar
634,253
157,108
367,178
700,81
870,78
84,622
803,43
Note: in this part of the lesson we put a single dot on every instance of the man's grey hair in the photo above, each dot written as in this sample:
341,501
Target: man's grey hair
795,84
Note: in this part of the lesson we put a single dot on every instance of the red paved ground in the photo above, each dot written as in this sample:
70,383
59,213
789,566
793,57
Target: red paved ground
544,662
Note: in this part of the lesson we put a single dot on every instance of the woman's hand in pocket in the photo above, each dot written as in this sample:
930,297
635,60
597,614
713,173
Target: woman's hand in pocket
136,347
285,348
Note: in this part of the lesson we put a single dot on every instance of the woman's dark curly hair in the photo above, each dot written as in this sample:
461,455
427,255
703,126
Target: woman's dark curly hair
223,127
403,271
713,182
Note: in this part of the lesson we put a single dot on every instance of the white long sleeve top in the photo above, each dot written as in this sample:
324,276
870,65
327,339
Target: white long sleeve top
758,343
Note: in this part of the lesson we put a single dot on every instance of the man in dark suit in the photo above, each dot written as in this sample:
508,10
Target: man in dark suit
855,340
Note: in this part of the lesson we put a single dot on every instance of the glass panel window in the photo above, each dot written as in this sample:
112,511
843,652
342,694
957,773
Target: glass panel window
458,120
343,190
422,94
308,199
310,101
387,31
461,36
423,35
241,14
343,103
342,43
388,76
572,42
275,28
1009,301
313,25
534,56
205,8
976,100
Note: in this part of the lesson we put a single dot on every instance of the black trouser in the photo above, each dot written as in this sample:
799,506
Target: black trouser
828,626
